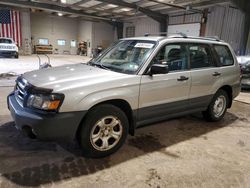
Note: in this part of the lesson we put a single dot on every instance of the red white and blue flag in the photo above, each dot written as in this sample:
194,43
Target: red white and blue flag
10,25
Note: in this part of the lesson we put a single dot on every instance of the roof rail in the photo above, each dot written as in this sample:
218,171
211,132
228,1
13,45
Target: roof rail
213,37
150,34
166,33
183,35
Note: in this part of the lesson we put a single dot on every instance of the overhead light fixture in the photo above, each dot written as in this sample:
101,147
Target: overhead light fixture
64,1
60,14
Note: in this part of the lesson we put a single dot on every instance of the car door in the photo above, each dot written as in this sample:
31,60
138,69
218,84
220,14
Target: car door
205,74
162,95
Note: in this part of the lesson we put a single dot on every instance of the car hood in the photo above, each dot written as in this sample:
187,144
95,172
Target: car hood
68,77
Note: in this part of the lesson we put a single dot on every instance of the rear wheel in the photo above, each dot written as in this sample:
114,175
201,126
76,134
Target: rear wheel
103,131
218,107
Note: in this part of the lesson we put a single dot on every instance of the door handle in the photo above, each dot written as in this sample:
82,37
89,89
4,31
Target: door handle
216,74
182,78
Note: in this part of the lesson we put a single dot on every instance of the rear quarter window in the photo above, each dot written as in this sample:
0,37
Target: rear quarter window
224,55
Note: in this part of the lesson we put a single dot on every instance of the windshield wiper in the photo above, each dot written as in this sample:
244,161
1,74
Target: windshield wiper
98,65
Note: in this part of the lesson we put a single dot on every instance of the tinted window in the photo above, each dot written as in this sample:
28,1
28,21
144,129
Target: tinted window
6,41
174,55
224,55
200,56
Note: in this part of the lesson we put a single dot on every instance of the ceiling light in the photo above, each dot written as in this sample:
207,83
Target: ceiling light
64,1
60,14
126,9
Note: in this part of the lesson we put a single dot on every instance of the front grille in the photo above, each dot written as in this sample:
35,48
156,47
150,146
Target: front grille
20,91
7,47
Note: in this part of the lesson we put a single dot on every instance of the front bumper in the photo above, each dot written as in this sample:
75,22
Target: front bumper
45,126
8,53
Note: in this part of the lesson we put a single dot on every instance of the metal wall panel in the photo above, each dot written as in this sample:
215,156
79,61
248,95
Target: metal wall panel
227,23
142,26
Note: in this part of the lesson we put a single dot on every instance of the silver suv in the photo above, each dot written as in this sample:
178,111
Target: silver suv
137,81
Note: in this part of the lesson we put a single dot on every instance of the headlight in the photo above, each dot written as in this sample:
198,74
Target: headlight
50,102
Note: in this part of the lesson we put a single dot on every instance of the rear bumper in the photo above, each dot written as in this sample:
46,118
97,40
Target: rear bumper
45,126
245,83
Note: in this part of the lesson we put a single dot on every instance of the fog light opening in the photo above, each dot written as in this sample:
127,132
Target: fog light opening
28,132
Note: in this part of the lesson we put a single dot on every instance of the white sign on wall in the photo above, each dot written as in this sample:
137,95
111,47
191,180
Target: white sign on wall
188,29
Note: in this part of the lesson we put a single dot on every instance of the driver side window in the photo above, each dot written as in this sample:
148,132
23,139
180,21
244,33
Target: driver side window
174,55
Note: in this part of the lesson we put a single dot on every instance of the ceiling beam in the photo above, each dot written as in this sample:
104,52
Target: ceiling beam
80,2
187,8
197,5
50,7
155,15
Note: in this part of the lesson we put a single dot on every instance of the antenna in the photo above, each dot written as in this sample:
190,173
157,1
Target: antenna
182,34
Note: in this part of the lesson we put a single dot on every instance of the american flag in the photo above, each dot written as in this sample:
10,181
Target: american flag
10,25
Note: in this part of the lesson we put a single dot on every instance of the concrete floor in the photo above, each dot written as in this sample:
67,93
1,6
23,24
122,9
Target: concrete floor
28,63
184,152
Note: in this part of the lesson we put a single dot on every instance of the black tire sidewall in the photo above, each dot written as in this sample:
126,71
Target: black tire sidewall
211,115
92,117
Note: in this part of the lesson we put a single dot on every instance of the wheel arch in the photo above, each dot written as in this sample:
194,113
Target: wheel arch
228,89
121,104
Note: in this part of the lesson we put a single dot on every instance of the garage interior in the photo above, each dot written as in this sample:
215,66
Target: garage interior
183,152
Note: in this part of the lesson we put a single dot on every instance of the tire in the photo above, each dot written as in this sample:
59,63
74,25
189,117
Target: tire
16,56
97,127
218,107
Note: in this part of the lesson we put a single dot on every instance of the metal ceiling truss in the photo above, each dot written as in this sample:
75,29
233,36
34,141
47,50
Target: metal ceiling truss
50,7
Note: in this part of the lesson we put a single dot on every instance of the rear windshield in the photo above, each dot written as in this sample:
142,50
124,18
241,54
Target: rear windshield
6,41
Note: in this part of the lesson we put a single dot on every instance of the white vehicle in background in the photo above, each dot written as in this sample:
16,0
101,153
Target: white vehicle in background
8,48
244,62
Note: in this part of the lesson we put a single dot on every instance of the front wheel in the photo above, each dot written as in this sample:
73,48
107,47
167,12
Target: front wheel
218,107
103,131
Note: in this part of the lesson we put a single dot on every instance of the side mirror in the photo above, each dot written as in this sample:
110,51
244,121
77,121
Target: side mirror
159,69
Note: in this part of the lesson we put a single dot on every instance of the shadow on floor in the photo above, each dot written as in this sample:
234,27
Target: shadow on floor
155,138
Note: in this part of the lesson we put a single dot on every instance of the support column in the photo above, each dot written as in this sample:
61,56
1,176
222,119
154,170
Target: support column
164,26
26,48
204,23
246,34
119,29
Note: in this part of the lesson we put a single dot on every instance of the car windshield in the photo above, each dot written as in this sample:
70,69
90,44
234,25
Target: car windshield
126,56
6,41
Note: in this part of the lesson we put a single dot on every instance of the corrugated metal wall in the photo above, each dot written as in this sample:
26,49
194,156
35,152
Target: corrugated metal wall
224,21
227,23
142,26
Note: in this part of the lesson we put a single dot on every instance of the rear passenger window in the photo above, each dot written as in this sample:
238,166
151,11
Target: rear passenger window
224,54
200,56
